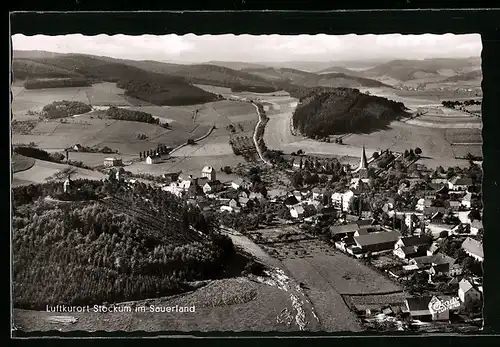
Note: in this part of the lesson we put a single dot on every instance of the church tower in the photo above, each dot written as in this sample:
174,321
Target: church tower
363,165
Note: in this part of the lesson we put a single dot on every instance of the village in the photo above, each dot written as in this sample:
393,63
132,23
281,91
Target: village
421,228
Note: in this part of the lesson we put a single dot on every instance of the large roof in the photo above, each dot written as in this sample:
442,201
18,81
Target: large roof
346,228
416,240
377,238
419,303
473,246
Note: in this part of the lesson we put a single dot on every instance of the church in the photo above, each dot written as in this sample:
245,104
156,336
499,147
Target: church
361,172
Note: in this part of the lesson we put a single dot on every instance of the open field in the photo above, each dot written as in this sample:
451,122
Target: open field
44,170
236,304
21,163
347,275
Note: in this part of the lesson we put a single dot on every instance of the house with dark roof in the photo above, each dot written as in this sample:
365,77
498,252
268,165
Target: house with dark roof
418,308
339,231
378,241
473,248
241,183
459,183
427,261
291,201
412,246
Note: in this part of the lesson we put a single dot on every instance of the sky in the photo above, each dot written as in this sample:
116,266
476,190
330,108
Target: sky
258,48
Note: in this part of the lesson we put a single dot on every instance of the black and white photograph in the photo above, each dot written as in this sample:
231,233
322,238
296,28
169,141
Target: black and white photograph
247,183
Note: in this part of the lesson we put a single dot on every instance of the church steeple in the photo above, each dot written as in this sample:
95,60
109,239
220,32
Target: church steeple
364,162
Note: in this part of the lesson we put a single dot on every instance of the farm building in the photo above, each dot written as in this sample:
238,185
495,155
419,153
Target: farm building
112,162
377,242
341,200
77,147
208,172
473,248
153,159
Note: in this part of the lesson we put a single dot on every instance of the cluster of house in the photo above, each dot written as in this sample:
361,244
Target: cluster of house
207,185
425,308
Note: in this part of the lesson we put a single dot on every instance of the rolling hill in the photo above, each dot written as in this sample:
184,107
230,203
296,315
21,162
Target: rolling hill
405,70
157,88
284,76
472,75
340,69
235,65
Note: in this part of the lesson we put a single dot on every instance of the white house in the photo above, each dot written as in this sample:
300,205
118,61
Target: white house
342,200
467,200
174,188
239,182
153,159
297,212
208,172
422,203
467,293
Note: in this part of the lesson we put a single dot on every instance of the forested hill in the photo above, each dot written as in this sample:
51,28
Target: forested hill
109,244
157,88
328,111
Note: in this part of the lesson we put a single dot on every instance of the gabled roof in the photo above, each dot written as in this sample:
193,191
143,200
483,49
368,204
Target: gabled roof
409,250
346,228
465,285
299,209
365,222
473,246
291,200
207,169
418,303
377,238
437,259
462,181
445,267
416,240
215,183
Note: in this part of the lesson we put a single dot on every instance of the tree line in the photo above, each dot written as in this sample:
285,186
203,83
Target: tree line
68,82
132,115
